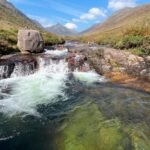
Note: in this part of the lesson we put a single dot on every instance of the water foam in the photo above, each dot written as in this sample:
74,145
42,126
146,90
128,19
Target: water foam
28,92
43,87
89,77
60,53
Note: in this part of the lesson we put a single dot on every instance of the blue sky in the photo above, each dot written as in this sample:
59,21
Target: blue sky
74,14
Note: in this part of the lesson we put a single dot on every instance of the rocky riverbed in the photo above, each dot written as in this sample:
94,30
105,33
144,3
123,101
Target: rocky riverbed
117,65
41,99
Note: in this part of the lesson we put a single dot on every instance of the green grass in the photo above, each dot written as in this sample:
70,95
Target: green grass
137,51
130,41
133,36
134,39
8,40
51,39
11,20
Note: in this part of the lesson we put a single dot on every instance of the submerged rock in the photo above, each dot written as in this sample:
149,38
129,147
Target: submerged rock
88,129
30,41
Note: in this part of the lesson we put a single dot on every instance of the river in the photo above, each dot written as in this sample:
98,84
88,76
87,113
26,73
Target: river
55,109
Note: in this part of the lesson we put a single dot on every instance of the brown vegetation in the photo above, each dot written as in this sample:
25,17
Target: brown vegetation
128,81
126,29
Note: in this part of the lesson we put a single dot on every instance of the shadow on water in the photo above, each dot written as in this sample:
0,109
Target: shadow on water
99,117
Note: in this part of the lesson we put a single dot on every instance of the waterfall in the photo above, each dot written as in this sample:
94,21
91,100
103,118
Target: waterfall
42,87
16,66
22,69
28,87
5,71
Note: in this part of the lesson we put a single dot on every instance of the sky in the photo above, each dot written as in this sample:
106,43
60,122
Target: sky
74,14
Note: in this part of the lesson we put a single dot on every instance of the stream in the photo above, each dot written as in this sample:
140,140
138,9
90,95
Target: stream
55,109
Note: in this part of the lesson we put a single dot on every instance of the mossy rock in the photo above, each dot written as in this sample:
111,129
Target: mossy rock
87,129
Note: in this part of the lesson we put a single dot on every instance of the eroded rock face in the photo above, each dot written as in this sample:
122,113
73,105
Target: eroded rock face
109,60
30,41
19,65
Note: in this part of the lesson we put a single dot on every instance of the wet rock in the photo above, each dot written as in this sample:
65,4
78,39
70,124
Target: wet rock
148,59
17,65
6,70
145,74
119,61
30,41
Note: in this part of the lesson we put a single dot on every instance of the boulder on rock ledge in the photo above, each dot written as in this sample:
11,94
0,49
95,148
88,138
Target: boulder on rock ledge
30,41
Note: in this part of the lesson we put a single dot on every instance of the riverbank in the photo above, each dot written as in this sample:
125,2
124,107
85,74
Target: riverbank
128,81
121,67
118,66
62,109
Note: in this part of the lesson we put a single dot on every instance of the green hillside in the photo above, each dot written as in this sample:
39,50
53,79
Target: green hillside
11,20
126,29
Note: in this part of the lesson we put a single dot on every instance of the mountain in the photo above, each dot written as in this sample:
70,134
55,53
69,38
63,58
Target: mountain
37,23
127,29
11,17
122,19
61,30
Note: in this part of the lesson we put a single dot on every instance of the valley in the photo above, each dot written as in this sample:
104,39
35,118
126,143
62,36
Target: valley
67,89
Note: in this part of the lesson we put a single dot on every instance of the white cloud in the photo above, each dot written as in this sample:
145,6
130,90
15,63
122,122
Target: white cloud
93,13
43,21
120,4
70,25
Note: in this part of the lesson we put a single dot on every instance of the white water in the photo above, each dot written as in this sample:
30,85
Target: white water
60,53
22,70
42,87
89,77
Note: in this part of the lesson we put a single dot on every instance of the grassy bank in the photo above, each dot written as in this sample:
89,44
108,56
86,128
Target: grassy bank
135,38
8,40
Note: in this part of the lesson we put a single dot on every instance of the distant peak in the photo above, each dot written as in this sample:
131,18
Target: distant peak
60,29
3,1
58,24
7,4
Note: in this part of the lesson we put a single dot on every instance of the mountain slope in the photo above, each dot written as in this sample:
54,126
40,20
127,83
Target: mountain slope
128,28
11,20
61,30
122,19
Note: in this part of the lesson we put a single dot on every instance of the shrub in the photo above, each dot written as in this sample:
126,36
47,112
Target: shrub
8,40
10,36
51,39
146,45
130,41
137,51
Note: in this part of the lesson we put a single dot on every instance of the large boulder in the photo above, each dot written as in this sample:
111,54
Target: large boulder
30,41
108,60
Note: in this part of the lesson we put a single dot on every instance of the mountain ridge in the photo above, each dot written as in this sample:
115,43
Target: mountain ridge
13,17
128,28
60,29
121,18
